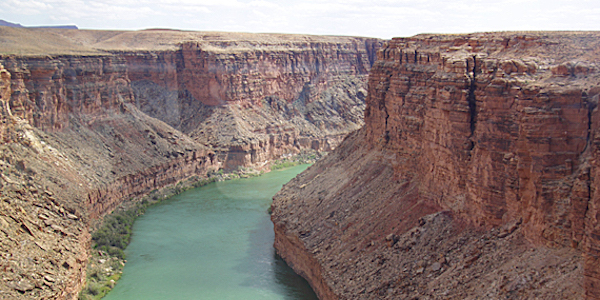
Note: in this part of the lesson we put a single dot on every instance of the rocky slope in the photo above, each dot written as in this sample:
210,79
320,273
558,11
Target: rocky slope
89,119
472,178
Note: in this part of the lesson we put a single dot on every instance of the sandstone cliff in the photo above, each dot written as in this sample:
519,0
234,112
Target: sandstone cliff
255,102
473,176
89,119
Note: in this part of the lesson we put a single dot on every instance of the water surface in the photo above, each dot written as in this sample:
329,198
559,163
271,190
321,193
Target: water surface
214,242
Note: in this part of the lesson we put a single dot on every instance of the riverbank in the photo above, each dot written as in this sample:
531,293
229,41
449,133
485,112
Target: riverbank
214,242
112,234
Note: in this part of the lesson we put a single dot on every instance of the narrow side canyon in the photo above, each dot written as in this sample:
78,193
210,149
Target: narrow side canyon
90,119
473,176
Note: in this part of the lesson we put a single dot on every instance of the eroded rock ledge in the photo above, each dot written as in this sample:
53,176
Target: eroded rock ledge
473,176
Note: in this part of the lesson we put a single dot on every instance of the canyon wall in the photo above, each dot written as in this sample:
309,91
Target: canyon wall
256,101
74,147
92,118
485,146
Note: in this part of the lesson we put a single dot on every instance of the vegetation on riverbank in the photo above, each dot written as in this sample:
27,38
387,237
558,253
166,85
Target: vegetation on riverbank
113,235
292,161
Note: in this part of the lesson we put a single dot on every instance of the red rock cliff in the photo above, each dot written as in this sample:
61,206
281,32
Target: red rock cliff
221,72
494,129
259,99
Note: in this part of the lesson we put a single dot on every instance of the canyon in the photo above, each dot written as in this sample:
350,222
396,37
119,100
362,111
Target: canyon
90,119
473,177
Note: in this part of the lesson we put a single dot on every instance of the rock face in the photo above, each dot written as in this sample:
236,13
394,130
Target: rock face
5,113
477,160
257,102
89,119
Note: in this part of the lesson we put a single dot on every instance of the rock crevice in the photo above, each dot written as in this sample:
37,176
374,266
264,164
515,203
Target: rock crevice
471,98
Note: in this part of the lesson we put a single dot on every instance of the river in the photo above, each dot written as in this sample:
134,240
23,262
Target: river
213,242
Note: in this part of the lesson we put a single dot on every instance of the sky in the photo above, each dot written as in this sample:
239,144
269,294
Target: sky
382,18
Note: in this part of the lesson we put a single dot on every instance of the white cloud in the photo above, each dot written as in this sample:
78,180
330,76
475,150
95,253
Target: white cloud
185,9
224,3
26,7
262,3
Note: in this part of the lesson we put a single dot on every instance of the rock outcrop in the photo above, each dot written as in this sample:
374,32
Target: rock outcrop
473,176
6,116
89,119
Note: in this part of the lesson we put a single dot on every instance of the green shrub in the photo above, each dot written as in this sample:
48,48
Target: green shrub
114,236
115,233
94,274
114,251
94,288
282,165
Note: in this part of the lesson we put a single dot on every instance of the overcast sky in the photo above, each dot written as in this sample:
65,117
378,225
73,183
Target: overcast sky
383,18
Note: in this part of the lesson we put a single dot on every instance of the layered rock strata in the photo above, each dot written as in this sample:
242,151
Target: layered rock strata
473,176
92,118
254,96
257,102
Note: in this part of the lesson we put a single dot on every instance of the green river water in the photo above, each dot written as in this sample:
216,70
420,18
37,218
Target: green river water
213,242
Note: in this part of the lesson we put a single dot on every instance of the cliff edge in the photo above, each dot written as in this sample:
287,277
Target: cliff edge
473,176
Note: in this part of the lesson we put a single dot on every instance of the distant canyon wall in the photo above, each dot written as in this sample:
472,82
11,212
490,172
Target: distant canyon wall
219,73
47,90
273,99
249,102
